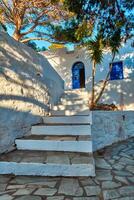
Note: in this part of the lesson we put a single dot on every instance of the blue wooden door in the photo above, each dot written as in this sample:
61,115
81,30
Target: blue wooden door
76,78
78,75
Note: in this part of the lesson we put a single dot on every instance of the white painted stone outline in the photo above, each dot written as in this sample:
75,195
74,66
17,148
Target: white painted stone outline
61,130
47,145
68,120
39,169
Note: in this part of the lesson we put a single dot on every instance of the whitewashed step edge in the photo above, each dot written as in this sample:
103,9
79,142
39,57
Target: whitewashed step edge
61,130
47,145
67,99
39,169
75,107
81,90
73,102
70,113
83,95
68,120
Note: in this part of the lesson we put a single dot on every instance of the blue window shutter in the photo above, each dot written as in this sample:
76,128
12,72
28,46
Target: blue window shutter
117,71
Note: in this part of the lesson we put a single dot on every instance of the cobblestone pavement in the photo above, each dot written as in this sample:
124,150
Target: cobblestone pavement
114,180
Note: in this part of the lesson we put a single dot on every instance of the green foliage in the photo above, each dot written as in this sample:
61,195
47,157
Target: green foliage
96,16
73,31
85,29
95,48
115,41
42,49
32,18
89,18
34,46
66,32
75,6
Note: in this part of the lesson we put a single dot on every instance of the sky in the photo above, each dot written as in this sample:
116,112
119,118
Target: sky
39,43
42,43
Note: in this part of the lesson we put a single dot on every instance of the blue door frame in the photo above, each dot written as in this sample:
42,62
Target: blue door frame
78,75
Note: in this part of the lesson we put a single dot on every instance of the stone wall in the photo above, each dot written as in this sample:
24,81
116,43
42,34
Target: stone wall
28,84
110,127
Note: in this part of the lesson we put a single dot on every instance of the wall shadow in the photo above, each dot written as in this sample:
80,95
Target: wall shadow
28,85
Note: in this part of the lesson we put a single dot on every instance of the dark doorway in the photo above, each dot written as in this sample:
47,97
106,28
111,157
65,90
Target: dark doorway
78,75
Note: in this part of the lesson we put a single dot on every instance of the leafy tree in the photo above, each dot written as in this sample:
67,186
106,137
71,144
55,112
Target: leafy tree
32,17
93,16
95,48
43,49
112,19
34,46
114,43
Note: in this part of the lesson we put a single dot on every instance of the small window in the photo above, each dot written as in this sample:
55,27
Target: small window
117,71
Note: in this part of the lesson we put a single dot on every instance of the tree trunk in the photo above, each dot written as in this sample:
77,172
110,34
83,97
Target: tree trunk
16,35
105,82
93,84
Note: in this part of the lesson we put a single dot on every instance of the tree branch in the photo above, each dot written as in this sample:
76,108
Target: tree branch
37,38
5,6
36,23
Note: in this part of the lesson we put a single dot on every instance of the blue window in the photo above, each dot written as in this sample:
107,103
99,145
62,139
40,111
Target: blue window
117,71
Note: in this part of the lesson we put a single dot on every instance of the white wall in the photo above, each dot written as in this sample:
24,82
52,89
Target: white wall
63,62
119,93
110,127
28,84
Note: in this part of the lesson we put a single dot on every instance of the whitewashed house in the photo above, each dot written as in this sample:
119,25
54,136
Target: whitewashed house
75,68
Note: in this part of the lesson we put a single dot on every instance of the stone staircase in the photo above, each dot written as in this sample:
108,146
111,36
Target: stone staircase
72,103
61,146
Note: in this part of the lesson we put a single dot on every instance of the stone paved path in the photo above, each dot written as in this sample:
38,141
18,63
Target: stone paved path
114,180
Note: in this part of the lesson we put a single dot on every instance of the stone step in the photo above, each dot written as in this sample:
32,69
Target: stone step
75,96
70,112
39,169
68,120
80,90
47,145
76,92
40,163
76,107
67,98
66,102
61,130
58,138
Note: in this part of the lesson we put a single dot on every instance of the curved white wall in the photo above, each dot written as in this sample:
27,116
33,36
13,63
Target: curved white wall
28,84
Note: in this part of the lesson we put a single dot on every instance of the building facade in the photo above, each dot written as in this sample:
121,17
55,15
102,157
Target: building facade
75,68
